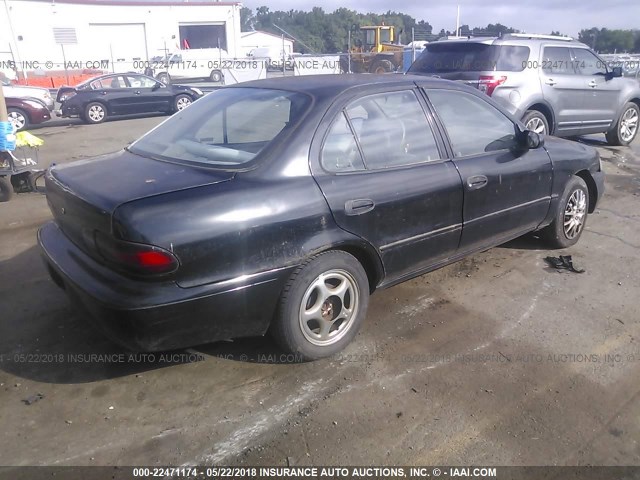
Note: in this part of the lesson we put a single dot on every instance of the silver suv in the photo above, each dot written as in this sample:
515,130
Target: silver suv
556,85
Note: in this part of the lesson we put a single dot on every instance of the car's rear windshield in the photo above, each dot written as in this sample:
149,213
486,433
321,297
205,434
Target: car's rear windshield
227,128
470,57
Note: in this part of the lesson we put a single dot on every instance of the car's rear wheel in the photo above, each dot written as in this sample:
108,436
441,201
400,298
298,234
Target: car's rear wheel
6,189
536,122
322,306
164,78
95,112
18,118
571,215
216,76
181,102
382,66
626,128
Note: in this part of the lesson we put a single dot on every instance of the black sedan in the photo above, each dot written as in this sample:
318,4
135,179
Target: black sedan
123,94
280,205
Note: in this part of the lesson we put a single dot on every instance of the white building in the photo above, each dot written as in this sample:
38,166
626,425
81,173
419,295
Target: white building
39,34
257,39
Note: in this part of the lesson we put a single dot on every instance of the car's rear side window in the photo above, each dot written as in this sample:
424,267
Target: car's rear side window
227,128
391,130
557,60
473,125
470,57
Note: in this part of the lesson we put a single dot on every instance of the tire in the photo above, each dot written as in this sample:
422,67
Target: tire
95,113
305,336
181,102
6,189
574,203
535,121
216,76
381,66
164,77
626,127
18,117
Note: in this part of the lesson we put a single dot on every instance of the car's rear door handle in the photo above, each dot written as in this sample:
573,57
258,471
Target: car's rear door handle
137,92
359,206
477,181
593,84
550,81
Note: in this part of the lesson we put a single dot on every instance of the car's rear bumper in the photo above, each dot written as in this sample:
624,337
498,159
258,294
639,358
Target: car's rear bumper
159,315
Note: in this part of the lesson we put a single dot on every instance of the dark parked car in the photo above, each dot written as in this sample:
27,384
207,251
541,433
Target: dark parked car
26,111
123,94
282,204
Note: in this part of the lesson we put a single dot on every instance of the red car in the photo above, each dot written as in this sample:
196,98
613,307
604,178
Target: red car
26,111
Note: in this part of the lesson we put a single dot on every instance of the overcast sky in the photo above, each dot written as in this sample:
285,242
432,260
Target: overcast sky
542,16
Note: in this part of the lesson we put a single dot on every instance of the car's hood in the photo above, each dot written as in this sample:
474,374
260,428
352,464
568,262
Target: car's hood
21,92
111,180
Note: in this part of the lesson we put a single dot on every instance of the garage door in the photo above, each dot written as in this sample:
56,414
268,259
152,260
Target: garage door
122,42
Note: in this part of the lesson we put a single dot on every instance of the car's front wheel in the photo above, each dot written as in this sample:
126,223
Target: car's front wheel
181,102
626,128
6,189
322,306
536,122
95,112
571,215
164,78
18,118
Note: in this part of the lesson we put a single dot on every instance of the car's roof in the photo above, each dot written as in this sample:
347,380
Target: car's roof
517,39
334,84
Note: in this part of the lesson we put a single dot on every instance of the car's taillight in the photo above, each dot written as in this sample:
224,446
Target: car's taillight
488,83
136,258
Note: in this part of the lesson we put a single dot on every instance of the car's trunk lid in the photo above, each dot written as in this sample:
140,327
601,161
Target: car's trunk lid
83,195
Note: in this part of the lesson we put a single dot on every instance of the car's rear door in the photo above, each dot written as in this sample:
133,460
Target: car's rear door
562,88
507,189
116,95
381,167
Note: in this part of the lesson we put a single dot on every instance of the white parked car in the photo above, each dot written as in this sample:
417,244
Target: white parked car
20,91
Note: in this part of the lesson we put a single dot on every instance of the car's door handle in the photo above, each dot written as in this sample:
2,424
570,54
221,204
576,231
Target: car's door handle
359,206
137,92
550,81
477,181
593,84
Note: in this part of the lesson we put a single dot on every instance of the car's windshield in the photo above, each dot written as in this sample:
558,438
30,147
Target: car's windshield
470,57
227,128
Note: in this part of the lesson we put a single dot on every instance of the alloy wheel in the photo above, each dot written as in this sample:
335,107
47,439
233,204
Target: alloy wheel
182,103
17,119
328,308
536,125
575,213
96,113
629,124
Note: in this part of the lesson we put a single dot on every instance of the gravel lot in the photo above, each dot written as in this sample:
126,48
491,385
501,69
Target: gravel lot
495,360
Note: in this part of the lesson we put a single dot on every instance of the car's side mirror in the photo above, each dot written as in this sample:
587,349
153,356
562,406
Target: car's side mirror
533,140
615,72
157,86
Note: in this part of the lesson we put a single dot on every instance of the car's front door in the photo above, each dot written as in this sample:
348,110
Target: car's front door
507,188
562,88
601,93
385,177
148,95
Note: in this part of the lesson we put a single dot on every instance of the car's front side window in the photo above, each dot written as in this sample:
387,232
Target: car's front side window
587,63
473,125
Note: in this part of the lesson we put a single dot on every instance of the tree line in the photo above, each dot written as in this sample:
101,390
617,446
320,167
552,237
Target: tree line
317,31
